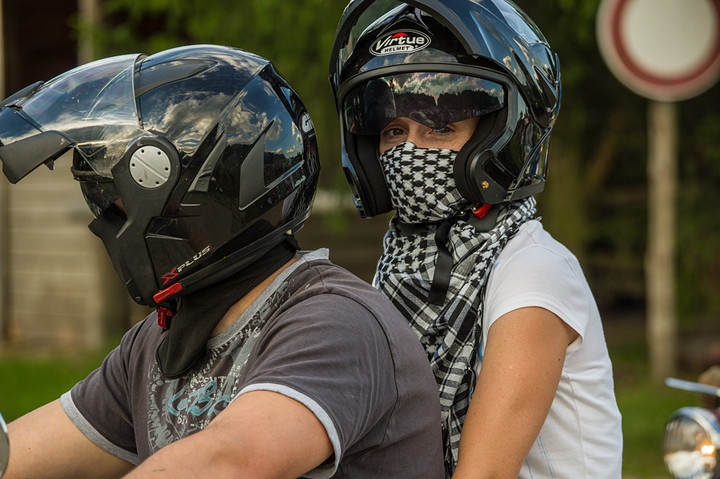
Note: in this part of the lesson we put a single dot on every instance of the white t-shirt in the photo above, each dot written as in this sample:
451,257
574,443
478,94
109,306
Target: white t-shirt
582,436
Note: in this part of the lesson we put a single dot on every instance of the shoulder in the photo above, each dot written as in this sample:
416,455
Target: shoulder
321,283
143,336
535,270
534,257
535,246
329,301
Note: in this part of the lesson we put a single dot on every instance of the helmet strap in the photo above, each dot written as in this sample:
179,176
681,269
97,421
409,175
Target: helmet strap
368,176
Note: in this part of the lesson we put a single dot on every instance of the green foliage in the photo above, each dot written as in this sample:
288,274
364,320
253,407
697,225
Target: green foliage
28,382
698,221
600,143
645,408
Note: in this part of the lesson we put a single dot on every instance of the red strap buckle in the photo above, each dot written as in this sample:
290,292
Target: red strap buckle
481,211
166,293
164,315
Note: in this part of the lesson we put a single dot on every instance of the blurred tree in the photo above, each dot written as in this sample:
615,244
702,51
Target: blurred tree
596,198
596,194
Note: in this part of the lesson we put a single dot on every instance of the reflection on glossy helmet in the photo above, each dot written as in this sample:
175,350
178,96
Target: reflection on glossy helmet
493,40
195,161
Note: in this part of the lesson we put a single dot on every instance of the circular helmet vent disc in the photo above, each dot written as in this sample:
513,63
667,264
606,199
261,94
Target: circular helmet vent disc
150,166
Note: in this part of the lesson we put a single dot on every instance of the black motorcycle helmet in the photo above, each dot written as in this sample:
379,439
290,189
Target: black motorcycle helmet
195,161
472,58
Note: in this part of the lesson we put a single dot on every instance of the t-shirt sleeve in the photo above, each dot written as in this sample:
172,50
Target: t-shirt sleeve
329,353
542,276
99,405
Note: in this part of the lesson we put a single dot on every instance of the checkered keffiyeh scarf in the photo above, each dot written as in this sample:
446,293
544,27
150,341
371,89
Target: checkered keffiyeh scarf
451,331
421,184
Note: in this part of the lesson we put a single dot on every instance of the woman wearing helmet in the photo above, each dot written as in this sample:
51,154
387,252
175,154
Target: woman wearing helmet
446,109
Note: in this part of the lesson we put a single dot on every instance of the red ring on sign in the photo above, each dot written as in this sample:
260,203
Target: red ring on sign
628,63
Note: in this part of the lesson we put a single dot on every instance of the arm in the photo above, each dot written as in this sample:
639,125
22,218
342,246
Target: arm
261,434
520,373
46,444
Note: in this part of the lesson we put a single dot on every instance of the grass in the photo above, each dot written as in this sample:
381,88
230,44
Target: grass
645,408
644,404
27,382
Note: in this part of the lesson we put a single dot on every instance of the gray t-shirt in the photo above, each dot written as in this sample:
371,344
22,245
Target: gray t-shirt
317,334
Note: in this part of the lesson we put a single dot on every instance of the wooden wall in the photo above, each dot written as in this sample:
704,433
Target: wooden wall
53,270
55,276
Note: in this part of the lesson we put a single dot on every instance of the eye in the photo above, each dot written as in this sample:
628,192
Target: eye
393,132
443,131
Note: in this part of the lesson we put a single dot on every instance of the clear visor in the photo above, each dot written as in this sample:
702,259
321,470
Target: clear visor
432,98
93,106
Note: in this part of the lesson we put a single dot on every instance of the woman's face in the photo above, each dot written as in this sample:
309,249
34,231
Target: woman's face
402,129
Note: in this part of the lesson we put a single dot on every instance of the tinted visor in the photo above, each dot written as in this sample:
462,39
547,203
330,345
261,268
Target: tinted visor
432,98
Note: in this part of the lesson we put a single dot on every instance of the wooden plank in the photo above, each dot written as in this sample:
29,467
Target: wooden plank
54,277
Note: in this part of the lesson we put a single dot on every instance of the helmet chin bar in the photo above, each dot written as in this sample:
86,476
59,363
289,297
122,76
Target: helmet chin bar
142,203
228,266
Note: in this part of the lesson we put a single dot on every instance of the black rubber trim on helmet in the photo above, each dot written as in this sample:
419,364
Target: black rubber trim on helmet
367,175
469,168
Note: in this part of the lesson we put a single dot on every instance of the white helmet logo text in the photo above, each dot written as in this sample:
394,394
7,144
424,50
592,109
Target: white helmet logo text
403,41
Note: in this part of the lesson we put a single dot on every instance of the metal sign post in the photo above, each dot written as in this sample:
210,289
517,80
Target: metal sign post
666,51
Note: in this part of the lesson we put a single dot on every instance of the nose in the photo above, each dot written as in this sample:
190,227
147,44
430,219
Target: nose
417,135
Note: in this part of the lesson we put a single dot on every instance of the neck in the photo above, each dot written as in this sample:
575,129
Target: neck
238,308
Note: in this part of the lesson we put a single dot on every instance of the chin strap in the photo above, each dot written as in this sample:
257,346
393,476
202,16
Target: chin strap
443,265
483,219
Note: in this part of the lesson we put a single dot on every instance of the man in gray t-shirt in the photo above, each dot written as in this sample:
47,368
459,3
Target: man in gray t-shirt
315,334
199,164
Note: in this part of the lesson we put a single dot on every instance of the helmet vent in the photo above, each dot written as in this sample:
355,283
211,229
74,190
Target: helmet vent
150,167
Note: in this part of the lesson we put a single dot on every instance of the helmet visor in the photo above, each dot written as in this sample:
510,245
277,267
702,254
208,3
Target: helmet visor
92,107
434,99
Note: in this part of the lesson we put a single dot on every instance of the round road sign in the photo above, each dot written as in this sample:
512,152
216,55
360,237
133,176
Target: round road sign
667,50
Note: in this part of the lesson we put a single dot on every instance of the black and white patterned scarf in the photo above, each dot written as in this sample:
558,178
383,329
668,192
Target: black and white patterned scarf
423,192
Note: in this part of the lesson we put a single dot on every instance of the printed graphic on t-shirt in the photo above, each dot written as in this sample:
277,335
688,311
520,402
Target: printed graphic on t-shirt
182,406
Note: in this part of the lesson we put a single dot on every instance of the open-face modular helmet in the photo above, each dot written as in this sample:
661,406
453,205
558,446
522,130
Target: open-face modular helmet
438,62
195,161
